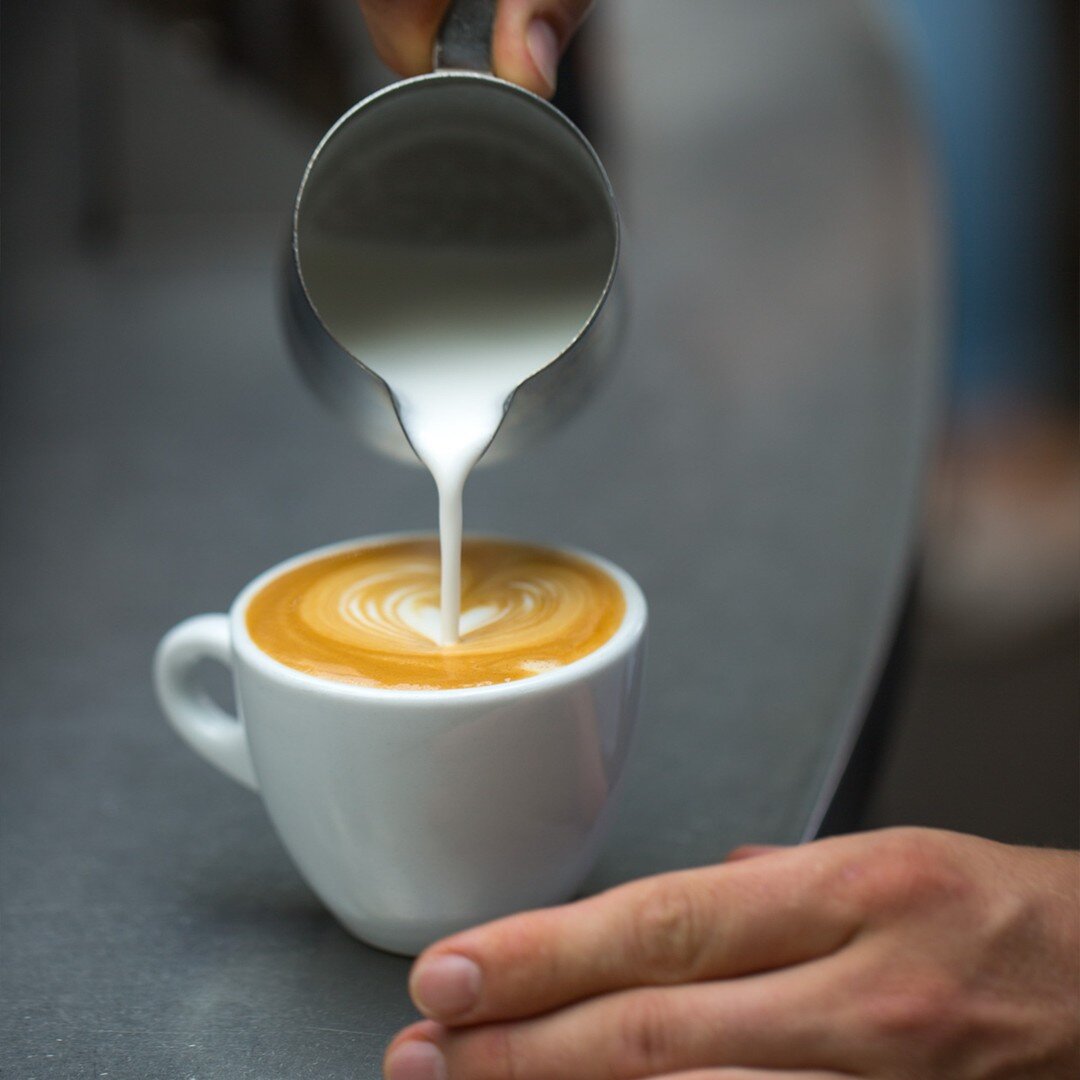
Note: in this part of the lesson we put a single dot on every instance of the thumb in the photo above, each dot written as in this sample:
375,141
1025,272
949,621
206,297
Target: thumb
530,36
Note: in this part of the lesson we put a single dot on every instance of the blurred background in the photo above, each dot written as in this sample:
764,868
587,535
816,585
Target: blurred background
161,141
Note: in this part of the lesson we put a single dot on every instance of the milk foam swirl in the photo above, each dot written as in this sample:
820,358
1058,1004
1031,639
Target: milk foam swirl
371,615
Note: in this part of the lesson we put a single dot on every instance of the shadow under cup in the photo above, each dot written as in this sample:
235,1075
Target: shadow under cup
416,813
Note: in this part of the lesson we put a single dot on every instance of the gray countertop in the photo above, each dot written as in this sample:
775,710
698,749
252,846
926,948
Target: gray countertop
754,463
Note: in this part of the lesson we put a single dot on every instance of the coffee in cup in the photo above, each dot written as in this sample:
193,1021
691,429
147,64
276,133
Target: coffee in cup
370,615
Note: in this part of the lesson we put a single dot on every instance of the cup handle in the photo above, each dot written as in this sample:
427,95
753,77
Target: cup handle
206,727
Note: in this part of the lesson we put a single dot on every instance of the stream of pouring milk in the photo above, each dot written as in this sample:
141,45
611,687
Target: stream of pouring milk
453,334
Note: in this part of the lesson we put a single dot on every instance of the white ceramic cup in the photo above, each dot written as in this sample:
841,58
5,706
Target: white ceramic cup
416,813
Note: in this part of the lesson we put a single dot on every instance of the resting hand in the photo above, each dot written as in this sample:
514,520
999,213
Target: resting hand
905,953
528,37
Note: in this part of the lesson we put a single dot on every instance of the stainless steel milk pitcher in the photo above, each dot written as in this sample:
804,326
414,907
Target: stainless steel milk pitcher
465,164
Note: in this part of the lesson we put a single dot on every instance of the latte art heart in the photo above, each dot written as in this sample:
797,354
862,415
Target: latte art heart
425,619
371,616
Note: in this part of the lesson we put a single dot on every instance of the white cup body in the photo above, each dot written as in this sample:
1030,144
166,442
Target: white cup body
416,813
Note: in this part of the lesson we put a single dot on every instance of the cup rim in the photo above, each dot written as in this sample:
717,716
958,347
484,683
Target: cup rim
626,635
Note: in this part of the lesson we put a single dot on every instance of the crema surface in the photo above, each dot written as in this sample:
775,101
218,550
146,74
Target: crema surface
370,616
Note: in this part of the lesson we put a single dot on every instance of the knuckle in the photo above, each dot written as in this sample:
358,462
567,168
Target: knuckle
668,930
901,1011
924,1015
904,871
646,1036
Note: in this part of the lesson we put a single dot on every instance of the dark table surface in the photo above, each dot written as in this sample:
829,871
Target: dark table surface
754,462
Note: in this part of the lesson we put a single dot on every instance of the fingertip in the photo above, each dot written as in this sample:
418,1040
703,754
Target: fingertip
403,32
445,986
422,1030
412,1056
405,57
751,851
542,45
526,46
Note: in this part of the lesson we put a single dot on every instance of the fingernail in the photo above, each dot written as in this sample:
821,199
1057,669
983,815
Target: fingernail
417,1059
543,48
445,986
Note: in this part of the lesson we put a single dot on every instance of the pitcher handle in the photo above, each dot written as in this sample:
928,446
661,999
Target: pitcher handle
464,38
206,727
